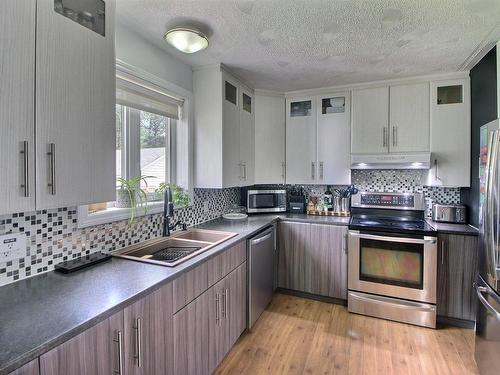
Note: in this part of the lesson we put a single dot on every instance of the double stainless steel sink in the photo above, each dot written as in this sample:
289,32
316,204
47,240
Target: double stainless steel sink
173,250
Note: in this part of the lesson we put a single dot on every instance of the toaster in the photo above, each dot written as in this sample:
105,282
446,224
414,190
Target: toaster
448,213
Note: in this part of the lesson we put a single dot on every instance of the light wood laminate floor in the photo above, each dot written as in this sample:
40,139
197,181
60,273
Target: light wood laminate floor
301,336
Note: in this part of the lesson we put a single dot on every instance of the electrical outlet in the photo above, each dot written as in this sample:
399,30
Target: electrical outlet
205,207
12,246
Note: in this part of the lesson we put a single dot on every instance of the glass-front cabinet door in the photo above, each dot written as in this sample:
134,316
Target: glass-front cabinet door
334,138
301,157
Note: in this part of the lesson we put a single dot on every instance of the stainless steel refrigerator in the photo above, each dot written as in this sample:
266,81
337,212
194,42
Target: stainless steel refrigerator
487,285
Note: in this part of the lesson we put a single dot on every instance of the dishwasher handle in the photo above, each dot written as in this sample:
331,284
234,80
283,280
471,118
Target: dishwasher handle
266,235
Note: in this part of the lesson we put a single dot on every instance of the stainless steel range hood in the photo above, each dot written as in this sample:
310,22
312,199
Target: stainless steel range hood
416,160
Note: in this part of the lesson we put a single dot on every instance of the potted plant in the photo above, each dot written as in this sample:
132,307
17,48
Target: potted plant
180,198
129,194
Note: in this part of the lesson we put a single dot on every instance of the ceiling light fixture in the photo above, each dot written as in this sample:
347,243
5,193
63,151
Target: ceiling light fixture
186,40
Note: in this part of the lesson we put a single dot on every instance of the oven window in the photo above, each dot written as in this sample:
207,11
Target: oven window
262,201
392,263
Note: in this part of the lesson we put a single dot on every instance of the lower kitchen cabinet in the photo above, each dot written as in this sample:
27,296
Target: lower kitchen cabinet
313,258
457,267
191,336
136,340
30,368
206,329
93,352
148,328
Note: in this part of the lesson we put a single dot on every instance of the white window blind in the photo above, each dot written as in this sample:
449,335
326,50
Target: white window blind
137,94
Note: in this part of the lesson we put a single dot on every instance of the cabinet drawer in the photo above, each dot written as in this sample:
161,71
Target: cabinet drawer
31,368
189,286
224,263
193,283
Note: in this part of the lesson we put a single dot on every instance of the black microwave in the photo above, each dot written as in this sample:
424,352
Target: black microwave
266,201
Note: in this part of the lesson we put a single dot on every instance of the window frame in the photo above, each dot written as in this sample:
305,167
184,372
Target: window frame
186,121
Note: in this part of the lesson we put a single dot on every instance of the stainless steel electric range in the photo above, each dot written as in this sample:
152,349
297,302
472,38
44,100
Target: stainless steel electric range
392,258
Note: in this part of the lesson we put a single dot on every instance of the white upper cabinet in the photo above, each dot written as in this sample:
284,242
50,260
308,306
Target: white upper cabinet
232,165
301,156
318,139
247,137
75,108
224,130
63,97
450,133
269,139
391,119
370,121
409,118
17,127
334,134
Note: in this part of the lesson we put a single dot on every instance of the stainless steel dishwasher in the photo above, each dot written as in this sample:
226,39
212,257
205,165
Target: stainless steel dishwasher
261,250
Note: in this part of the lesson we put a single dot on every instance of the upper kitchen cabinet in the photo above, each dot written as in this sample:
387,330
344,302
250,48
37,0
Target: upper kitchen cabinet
390,119
269,138
247,136
370,121
75,102
450,133
409,118
317,139
224,129
301,158
17,127
334,134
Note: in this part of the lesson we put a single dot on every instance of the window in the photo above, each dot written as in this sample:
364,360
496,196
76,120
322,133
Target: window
152,146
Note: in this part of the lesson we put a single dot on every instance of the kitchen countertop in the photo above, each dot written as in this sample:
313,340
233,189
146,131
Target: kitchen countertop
464,229
41,312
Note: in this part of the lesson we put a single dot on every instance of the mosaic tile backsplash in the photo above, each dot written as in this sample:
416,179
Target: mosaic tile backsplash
53,236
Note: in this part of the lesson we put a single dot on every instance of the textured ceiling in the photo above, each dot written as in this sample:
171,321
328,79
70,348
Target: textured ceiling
298,44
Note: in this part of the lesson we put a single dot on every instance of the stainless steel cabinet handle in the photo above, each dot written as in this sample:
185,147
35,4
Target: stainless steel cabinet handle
345,243
138,341
283,169
321,170
244,171
26,175
384,136
313,167
52,159
226,303
118,340
224,312
217,307
396,137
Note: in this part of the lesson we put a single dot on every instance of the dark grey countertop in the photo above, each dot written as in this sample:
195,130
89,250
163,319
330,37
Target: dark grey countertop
464,229
43,311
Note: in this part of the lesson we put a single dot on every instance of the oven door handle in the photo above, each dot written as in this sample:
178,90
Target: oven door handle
425,240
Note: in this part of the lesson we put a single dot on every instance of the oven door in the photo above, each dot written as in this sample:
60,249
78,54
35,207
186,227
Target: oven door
266,201
393,266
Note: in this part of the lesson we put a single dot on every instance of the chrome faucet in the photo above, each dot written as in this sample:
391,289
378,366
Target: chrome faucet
168,213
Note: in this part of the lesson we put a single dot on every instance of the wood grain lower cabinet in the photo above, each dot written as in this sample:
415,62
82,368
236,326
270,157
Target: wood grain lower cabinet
137,340
30,368
93,352
457,268
148,328
313,258
207,328
191,336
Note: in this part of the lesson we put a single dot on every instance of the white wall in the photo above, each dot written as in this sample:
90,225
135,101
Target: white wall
138,52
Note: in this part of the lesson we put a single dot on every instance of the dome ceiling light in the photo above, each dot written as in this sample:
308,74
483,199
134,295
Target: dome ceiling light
186,40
